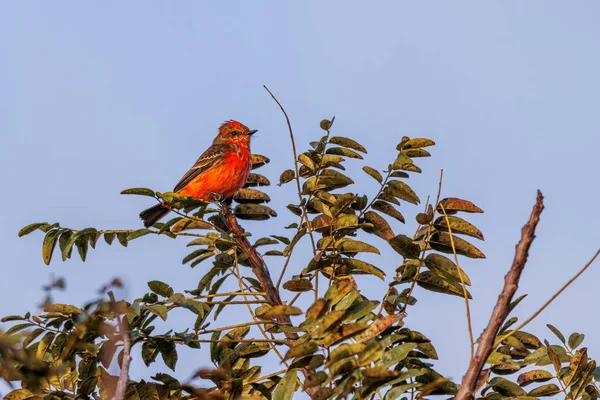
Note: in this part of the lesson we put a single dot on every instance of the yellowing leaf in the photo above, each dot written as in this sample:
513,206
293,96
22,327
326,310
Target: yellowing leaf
298,285
301,349
388,209
373,173
380,226
403,191
279,310
340,151
453,204
416,143
349,143
379,326
537,375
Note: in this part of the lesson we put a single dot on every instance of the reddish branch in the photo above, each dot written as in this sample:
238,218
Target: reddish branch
261,271
121,388
501,310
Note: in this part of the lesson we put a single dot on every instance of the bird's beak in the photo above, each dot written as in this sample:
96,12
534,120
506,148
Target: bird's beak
252,132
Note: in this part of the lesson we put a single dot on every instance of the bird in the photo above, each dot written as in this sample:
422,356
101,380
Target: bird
218,173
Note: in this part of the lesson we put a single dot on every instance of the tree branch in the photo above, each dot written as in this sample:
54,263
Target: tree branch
123,331
501,310
261,271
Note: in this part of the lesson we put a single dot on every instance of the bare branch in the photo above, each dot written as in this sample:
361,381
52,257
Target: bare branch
501,310
124,332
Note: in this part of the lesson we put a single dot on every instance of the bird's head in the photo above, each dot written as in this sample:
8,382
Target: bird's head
234,132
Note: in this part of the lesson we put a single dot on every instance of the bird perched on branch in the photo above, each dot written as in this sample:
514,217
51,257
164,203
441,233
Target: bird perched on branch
218,174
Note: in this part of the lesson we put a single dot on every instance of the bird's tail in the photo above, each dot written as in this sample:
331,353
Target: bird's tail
153,214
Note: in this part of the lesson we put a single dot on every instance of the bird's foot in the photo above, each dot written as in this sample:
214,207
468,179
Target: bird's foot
215,197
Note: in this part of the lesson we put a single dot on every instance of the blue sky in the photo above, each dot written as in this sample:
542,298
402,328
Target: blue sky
99,97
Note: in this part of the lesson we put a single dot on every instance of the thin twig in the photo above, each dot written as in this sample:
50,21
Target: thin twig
501,310
462,282
121,388
297,170
546,304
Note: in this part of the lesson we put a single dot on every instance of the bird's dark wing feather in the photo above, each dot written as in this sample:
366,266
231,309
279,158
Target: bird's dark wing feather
212,157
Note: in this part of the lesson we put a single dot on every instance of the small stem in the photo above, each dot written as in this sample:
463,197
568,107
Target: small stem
547,303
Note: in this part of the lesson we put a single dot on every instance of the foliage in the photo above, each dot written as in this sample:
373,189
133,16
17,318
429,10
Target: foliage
344,344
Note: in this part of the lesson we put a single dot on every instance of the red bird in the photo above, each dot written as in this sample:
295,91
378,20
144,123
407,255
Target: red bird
218,174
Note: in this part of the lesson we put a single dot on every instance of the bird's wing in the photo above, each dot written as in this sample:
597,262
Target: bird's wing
212,157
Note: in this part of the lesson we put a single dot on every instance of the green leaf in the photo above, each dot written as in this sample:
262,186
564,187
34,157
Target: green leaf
66,250
441,241
373,173
169,353
140,192
341,151
160,310
453,204
457,225
436,283
349,143
286,387
558,334
575,339
136,234
161,288
301,349
149,352
359,310
286,176
49,245
445,267
397,391
402,191
397,354
388,209
31,228
328,180
196,253
109,237
256,212
355,246
364,267
506,387
405,246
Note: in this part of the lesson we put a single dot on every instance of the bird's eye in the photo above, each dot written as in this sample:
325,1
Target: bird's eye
235,133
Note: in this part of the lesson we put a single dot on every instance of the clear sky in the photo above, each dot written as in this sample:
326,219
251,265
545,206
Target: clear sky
102,96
